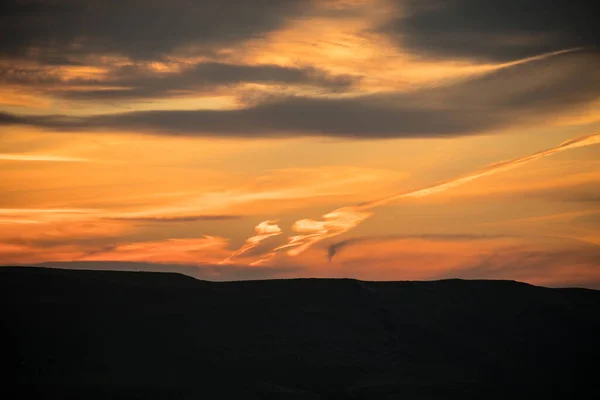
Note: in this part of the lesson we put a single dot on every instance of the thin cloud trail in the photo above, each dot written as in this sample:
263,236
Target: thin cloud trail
489,170
264,230
265,259
343,219
21,211
40,157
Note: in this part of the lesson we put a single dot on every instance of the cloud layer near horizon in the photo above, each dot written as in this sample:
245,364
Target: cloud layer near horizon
546,261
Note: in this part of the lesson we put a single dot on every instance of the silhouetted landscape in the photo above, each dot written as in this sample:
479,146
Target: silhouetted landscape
146,335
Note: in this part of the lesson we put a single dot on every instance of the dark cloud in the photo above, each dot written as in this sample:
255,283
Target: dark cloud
52,30
585,197
526,93
92,244
140,84
34,77
585,192
499,30
9,119
188,218
228,272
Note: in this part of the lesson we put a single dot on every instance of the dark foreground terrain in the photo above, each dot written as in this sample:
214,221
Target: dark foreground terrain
70,334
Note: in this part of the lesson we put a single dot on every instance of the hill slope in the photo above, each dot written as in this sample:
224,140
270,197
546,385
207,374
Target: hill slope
101,334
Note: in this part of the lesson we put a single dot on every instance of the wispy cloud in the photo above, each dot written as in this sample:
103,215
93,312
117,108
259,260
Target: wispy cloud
21,211
490,170
195,251
41,157
343,219
183,218
264,230
18,221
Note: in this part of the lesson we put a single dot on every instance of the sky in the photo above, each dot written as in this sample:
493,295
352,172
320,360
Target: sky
368,139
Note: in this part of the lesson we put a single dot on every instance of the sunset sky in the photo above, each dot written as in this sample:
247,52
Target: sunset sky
371,139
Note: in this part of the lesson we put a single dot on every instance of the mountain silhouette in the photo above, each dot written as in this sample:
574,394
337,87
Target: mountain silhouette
71,334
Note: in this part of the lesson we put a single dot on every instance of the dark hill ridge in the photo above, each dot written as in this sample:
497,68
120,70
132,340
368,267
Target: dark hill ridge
107,334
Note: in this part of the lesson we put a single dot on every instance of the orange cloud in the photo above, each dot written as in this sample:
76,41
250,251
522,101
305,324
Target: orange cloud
40,157
15,96
209,249
44,248
27,238
23,254
264,230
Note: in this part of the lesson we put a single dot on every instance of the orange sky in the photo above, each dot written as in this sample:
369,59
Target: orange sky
226,149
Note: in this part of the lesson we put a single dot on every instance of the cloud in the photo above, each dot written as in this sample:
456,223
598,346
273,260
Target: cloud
52,31
584,197
41,157
9,119
502,30
197,250
564,184
41,211
28,250
522,94
34,235
264,230
184,218
582,141
139,81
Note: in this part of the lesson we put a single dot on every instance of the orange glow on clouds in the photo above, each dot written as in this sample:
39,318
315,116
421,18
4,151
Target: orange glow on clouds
177,251
40,157
343,219
264,230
